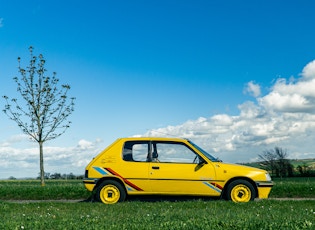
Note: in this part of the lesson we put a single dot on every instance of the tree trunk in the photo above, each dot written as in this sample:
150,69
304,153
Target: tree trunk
41,164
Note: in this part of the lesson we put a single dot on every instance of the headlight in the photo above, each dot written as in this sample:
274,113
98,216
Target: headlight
268,177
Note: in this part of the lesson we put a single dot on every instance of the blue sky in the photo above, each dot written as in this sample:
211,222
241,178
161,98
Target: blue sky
227,74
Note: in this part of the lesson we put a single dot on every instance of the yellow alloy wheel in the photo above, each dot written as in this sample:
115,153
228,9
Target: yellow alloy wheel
241,191
110,192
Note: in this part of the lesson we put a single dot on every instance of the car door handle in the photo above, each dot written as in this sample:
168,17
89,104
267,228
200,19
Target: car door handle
155,167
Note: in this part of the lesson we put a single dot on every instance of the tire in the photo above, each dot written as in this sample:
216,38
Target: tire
110,192
240,191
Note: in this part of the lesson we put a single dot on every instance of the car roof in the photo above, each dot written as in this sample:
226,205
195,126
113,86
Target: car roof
153,139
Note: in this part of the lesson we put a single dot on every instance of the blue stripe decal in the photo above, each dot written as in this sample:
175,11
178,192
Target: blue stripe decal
129,189
212,187
100,170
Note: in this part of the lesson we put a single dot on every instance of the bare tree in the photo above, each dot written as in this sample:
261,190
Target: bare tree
44,114
269,161
276,161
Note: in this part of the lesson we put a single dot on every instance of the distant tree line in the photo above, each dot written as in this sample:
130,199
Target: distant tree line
56,176
276,163
59,176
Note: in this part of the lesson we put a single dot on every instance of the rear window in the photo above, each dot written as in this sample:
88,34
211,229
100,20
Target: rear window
136,151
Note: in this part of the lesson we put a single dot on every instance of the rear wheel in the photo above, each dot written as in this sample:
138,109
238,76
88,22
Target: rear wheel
240,191
110,192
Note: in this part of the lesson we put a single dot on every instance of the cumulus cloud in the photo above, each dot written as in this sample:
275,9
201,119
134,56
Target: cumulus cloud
308,71
295,97
253,89
16,161
284,117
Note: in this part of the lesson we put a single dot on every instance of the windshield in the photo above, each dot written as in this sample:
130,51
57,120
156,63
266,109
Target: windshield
209,156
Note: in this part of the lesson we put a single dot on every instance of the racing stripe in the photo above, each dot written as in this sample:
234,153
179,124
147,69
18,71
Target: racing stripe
124,179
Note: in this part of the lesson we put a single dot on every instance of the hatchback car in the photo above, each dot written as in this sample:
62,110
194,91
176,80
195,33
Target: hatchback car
170,166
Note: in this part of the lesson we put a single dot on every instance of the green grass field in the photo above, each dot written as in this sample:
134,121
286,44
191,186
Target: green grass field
191,213
74,189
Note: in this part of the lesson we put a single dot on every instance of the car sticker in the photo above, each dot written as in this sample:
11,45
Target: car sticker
214,186
109,171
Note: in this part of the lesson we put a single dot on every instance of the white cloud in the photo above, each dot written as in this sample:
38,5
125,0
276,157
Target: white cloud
309,70
24,162
284,117
253,89
84,145
292,96
1,22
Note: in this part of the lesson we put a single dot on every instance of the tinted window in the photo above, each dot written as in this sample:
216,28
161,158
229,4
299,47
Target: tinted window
175,152
135,151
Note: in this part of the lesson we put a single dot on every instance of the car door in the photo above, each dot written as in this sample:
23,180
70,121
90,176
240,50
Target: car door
177,169
134,167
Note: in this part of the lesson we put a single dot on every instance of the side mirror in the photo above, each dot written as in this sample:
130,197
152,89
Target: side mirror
201,163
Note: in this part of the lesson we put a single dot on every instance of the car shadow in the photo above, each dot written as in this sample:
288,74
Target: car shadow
158,198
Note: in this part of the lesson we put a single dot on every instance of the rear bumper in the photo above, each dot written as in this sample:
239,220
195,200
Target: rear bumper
90,183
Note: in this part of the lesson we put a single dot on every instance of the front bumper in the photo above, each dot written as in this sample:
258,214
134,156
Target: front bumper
264,188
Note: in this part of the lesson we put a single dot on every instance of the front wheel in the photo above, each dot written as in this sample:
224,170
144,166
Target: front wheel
110,192
240,191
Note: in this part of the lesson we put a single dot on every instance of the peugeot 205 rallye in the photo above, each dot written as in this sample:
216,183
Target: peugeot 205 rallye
170,166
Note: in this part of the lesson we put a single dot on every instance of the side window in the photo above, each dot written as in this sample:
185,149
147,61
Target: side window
176,153
135,151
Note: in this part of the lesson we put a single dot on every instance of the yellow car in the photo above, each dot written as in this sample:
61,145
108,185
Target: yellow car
169,166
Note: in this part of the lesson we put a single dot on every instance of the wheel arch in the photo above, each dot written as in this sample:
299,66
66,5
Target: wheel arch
101,180
225,188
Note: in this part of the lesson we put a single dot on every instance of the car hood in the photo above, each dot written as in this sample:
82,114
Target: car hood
240,170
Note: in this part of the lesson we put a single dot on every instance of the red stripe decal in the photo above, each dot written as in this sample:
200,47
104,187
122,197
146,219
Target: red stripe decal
125,180
217,185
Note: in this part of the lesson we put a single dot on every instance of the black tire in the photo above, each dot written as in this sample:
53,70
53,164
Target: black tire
240,191
110,192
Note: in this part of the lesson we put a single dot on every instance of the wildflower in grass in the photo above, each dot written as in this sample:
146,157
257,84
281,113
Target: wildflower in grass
307,224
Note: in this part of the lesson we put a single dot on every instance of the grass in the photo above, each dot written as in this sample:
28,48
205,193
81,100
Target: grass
151,213
74,189
193,214
31,190
297,187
